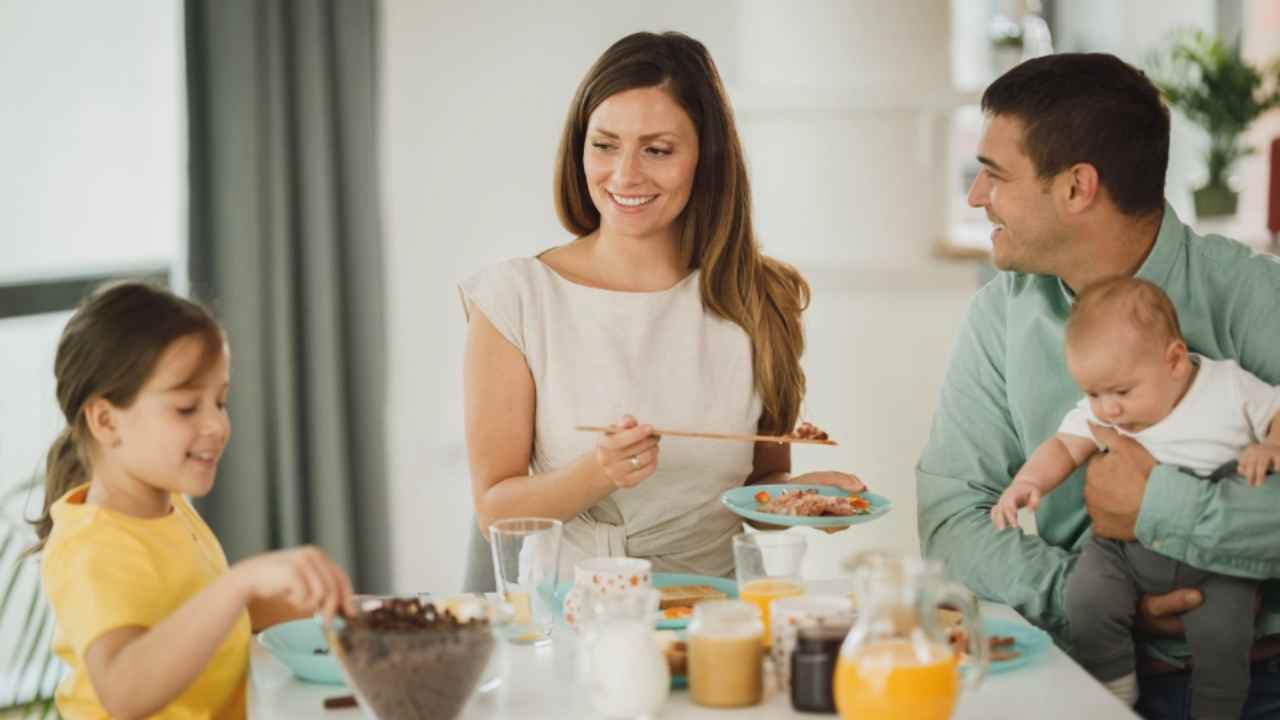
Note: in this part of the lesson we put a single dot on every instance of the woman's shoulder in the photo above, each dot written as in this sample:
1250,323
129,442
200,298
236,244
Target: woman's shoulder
509,283
521,279
508,293
516,272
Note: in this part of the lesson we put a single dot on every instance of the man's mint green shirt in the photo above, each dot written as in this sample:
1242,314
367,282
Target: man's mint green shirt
1007,389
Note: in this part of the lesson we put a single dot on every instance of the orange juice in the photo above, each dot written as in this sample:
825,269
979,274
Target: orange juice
890,680
762,592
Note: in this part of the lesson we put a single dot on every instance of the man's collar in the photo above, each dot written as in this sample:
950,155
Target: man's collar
1170,242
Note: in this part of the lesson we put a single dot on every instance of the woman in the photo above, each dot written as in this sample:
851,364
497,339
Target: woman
662,308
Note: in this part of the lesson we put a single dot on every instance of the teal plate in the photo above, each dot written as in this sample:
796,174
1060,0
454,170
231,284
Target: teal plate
295,644
661,580
742,501
1031,643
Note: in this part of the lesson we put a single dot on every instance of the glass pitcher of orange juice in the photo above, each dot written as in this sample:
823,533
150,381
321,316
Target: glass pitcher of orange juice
897,663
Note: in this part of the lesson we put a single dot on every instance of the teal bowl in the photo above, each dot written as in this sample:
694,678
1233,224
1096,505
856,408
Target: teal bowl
301,646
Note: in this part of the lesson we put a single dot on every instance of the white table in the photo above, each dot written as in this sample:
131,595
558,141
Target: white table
539,683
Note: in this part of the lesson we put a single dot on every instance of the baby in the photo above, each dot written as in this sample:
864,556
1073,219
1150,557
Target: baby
1126,352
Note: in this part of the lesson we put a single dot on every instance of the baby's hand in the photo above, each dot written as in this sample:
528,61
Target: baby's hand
1019,494
305,577
1257,461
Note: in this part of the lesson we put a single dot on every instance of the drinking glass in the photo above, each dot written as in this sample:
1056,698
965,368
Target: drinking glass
526,564
768,567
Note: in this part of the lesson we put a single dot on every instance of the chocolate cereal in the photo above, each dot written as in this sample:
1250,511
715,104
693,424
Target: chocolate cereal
408,660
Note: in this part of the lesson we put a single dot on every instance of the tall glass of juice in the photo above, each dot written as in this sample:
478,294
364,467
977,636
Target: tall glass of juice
768,565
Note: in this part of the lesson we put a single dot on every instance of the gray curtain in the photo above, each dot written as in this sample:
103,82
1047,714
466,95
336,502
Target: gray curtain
285,246
477,574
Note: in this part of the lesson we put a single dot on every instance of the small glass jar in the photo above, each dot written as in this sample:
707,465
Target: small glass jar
726,654
813,666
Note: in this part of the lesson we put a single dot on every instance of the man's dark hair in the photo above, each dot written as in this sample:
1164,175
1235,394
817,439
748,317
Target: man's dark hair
1090,108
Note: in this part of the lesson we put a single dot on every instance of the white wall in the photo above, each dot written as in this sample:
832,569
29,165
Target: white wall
838,104
91,135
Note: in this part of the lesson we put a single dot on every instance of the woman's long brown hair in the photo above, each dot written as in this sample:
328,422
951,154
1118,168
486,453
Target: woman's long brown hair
108,350
762,295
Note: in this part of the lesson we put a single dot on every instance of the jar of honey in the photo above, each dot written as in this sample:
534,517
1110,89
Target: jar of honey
726,654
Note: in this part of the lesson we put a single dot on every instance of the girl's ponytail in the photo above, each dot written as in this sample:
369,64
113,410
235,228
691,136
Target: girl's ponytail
64,469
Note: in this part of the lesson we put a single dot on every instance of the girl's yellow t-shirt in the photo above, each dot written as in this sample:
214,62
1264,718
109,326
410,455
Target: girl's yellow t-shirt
104,570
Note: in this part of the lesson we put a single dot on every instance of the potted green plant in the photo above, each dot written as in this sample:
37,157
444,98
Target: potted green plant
1211,84
28,667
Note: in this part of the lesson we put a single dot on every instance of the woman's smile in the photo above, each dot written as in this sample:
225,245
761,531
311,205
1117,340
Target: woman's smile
631,202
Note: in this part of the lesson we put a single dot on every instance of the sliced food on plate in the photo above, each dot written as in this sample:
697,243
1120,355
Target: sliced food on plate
1001,646
810,503
677,601
822,506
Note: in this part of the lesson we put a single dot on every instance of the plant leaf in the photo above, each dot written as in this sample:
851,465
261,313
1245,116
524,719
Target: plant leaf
51,674
32,641
18,569
39,611
25,486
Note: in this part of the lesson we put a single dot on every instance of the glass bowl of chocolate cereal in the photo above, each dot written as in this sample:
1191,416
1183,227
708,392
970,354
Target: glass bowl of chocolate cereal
405,658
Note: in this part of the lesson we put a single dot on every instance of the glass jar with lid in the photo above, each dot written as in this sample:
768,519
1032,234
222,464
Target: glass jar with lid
726,654
813,666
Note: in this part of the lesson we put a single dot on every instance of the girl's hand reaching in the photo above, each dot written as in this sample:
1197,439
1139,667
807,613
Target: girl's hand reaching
1019,494
304,577
628,455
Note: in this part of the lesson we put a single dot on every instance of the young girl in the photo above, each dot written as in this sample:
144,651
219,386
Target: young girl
149,618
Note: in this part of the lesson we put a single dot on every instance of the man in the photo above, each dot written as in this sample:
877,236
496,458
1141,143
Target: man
1074,155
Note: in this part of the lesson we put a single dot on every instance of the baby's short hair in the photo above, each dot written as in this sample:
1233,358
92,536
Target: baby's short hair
1140,303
